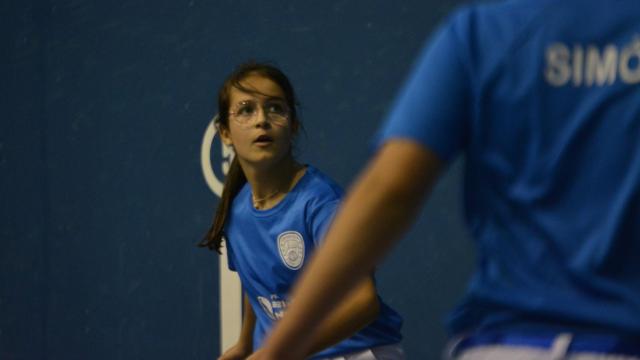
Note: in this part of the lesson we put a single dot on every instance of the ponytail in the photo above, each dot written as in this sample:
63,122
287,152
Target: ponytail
232,185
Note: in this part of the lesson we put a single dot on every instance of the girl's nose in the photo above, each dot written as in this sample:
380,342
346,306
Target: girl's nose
261,119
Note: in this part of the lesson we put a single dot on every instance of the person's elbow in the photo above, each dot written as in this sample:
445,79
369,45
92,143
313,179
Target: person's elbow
373,309
368,303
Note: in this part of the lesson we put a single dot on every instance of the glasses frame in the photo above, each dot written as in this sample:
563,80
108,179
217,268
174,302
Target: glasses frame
274,118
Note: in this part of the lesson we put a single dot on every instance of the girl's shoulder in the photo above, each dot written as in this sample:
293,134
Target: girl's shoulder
317,186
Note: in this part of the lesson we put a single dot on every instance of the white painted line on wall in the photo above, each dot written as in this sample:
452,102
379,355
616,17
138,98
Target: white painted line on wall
230,305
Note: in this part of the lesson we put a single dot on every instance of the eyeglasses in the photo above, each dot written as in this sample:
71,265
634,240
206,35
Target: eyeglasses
246,112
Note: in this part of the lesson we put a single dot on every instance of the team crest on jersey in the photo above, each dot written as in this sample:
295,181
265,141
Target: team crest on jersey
291,249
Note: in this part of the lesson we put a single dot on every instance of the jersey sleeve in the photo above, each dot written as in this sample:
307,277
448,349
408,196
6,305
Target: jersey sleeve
321,218
433,106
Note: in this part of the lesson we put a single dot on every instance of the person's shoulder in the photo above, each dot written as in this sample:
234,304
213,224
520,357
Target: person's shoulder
499,8
487,30
486,15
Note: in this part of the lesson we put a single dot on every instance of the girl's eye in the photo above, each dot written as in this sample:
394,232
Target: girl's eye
246,110
277,108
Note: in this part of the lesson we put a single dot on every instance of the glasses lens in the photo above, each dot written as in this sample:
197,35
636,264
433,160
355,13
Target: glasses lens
244,111
276,110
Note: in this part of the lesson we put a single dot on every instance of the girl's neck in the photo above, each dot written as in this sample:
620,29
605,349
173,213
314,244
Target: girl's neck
270,185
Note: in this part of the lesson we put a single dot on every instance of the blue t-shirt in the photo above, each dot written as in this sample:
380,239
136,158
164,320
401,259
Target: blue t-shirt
269,248
543,99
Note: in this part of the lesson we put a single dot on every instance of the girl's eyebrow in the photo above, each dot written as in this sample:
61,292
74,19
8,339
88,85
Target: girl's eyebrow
267,98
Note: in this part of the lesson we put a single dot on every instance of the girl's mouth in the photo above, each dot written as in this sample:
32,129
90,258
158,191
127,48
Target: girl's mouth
263,140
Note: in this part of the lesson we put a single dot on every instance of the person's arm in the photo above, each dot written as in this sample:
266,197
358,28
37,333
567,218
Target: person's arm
379,208
244,346
359,309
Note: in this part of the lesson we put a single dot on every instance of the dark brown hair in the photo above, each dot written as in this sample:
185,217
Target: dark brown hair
235,177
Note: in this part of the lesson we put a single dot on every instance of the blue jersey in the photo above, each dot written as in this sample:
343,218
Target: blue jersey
269,248
543,99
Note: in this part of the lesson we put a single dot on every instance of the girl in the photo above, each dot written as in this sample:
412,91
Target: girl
273,213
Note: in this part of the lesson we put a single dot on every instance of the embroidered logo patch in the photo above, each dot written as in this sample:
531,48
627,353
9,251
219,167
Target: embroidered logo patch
291,249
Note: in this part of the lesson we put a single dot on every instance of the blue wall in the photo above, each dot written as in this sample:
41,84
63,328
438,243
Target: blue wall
104,109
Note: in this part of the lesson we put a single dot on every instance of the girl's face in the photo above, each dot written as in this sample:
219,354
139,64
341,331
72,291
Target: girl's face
259,128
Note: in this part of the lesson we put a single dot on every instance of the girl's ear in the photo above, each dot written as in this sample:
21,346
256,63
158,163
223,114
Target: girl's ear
295,126
225,135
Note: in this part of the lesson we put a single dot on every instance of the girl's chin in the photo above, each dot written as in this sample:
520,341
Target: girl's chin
263,158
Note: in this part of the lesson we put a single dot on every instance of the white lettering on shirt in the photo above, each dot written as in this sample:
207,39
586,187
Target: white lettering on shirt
592,65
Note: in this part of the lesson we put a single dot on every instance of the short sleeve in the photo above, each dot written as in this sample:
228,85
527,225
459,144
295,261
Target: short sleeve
321,218
433,106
